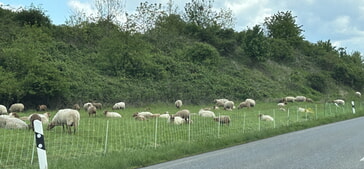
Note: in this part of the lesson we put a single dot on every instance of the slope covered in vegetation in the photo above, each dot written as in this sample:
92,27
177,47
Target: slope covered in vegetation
193,55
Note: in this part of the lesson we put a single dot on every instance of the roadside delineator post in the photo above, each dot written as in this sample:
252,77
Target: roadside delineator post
39,139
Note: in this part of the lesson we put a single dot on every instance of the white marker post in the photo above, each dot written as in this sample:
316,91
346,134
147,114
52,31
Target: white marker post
353,106
39,139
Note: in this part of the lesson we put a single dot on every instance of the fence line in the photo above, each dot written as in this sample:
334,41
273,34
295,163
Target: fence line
97,136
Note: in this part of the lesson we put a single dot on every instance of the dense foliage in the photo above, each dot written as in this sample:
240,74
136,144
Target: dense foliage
193,55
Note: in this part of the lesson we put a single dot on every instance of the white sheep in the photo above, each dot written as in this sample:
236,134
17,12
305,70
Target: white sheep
303,110
3,110
44,117
68,117
265,117
358,94
300,99
12,123
244,104
176,120
119,105
339,102
16,107
92,110
220,102
112,114
185,114
178,103
281,105
229,105
165,115
251,101
87,105
97,105
206,113
289,99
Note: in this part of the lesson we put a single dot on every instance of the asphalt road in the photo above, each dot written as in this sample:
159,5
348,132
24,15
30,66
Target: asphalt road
333,146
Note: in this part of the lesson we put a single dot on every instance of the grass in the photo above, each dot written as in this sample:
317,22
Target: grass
126,143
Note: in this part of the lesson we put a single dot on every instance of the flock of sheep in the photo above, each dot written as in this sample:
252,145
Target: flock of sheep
70,117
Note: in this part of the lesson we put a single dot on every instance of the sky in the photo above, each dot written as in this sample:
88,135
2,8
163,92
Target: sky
341,22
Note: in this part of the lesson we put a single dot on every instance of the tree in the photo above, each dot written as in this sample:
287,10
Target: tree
202,13
32,16
283,26
109,10
256,45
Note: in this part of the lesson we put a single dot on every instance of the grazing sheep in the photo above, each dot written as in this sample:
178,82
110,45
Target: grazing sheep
339,102
309,100
220,102
251,101
119,105
76,107
223,119
32,118
87,105
229,105
97,105
265,117
12,123
91,110
206,113
45,117
185,114
178,104
176,120
42,107
68,117
3,110
112,114
244,104
16,107
300,99
289,99
139,117
358,94
303,110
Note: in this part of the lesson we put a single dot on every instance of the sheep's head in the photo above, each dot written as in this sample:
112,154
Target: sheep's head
50,126
105,112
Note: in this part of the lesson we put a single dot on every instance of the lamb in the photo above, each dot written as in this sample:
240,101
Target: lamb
68,117
16,107
223,119
42,107
119,105
12,123
112,114
206,113
3,110
265,117
300,99
97,105
358,94
229,105
32,118
185,114
91,110
178,104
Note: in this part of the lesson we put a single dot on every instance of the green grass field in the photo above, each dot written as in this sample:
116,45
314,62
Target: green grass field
128,143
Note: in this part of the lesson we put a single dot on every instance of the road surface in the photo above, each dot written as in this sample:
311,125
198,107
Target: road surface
334,146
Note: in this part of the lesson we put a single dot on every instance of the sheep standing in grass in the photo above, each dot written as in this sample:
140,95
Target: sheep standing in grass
300,99
91,111
119,105
3,110
76,107
251,101
185,114
339,102
358,94
289,99
16,107
223,119
229,105
112,114
87,105
244,104
12,123
220,102
44,117
97,105
176,120
32,118
178,104
206,113
68,117
265,117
